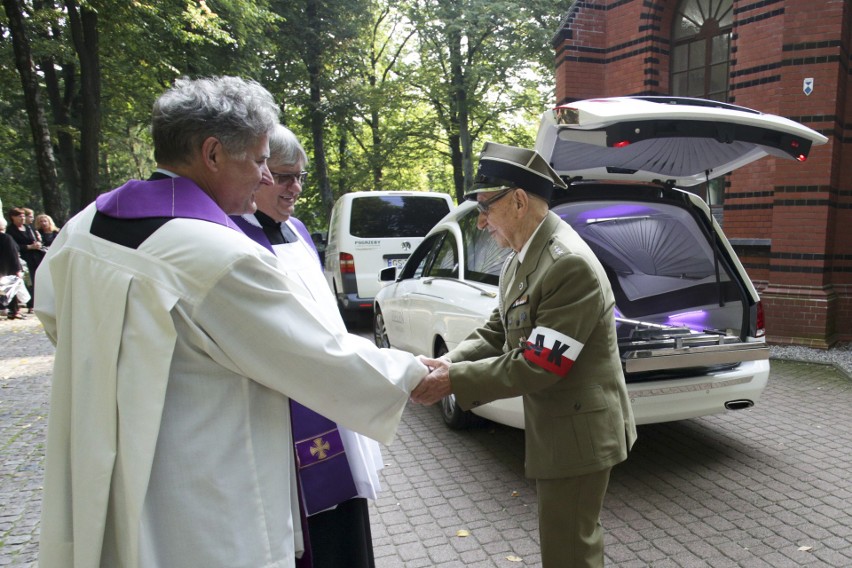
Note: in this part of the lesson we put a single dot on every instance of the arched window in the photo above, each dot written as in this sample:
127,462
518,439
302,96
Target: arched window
701,47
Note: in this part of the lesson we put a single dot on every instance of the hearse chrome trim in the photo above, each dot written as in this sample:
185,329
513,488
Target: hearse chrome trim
662,391
640,360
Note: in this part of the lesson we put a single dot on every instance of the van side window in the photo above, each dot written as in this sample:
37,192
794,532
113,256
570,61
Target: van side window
483,257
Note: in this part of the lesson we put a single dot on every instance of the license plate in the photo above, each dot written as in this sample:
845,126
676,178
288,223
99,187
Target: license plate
398,262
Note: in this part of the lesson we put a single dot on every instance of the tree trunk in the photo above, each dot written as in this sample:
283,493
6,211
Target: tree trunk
317,115
377,158
459,98
84,32
376,149
60,90
343,162
458,170
60,105
35,111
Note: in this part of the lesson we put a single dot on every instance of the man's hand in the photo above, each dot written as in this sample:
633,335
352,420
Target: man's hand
436,385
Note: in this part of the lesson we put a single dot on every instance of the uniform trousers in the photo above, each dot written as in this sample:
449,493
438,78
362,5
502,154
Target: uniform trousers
569,520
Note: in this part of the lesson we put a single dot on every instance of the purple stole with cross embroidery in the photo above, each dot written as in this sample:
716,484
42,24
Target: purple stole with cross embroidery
324,473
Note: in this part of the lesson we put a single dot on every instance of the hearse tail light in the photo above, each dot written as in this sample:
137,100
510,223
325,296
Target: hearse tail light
347,263
760,327
794,145
621,144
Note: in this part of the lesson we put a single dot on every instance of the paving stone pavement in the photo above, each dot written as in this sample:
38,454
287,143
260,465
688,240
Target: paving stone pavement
26,361
766,487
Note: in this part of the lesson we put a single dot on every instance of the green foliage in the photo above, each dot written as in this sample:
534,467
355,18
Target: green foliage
383,77
480,66
17,161
20,179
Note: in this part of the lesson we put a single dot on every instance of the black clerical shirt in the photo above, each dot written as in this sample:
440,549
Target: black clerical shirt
277,233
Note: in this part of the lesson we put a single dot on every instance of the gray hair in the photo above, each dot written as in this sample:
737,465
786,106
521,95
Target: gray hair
284,148
234,111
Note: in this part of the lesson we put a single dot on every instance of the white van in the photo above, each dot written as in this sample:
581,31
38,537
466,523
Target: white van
371,230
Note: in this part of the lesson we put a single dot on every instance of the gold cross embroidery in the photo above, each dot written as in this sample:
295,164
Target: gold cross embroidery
320,447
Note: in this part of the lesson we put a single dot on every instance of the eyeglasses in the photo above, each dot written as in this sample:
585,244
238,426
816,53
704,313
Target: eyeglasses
290,179
484,206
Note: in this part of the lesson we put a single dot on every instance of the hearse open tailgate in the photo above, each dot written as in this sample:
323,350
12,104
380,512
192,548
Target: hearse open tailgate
641,360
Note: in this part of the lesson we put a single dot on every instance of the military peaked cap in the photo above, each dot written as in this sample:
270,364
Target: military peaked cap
502,167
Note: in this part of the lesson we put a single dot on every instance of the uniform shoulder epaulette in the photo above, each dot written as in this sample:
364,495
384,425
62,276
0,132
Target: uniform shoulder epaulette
557,249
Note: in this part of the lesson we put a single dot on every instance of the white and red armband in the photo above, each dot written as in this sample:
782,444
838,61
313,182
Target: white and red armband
551,350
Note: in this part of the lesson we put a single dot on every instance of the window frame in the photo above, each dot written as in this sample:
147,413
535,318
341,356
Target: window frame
697,42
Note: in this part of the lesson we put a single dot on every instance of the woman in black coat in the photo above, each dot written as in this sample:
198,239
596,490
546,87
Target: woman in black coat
10,264
29,244
47,229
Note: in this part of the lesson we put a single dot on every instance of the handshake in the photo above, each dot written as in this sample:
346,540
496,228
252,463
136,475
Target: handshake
436,384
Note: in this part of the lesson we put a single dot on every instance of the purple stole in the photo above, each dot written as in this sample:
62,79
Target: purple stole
324,473
170,197
323,468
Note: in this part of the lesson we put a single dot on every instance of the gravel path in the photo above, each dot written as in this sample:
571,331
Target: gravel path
840,355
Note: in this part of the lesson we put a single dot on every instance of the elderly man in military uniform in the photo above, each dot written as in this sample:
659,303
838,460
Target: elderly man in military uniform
552,340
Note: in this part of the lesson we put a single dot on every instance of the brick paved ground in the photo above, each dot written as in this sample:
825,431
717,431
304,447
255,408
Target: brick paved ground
26,359
741,489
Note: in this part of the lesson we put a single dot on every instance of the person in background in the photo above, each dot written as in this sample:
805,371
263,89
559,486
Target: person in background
179,344
11,274
552,339
29,244
339,524
46,229
29,217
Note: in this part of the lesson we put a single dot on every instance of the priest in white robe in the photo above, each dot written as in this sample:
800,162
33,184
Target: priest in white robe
179,342
334,490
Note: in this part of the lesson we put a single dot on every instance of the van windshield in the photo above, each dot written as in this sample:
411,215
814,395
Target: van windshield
395,215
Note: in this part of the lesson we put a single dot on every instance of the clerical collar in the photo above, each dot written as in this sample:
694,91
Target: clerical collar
266,221
277,232
166,172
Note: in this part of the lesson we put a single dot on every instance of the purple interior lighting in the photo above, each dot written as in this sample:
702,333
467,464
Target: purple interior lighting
616,211
694,320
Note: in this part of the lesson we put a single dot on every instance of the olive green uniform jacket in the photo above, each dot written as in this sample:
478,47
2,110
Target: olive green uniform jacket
553,340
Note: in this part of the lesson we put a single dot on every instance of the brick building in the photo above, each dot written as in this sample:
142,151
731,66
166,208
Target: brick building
790,223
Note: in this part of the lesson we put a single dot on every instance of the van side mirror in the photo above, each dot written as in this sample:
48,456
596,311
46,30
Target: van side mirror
387,274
